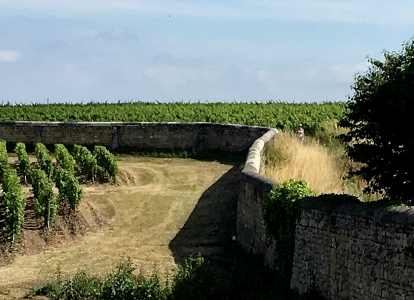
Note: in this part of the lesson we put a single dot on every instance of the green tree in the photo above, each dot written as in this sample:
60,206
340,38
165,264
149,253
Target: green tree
379,121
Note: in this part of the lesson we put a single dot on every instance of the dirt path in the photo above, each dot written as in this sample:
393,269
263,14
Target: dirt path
168,209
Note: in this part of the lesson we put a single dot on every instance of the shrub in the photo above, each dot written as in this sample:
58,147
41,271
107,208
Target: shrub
194,280
280,213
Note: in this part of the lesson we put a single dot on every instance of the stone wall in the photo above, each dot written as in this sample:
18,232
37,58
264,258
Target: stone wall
252,194
171,135
354,251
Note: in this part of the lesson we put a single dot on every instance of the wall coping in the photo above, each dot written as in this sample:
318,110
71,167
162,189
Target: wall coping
354,207
48,123
251,168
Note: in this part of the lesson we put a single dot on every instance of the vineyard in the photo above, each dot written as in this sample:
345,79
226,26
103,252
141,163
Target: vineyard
46,176
270,114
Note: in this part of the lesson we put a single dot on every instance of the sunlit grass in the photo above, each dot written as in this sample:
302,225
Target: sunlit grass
323,169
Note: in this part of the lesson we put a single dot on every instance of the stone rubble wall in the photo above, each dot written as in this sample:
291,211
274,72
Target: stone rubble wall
138,135
355,251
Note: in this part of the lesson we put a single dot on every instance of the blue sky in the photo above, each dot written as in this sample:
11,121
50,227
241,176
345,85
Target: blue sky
107,50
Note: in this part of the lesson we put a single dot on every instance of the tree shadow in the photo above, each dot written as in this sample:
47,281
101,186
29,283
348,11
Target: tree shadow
211,225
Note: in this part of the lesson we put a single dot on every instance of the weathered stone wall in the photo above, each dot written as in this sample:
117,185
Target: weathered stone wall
355,251
252,194
187,136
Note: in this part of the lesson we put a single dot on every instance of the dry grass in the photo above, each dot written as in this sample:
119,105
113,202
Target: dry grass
308,161
323,170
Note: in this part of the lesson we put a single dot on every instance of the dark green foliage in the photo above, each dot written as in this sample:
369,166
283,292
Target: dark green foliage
4,163
194,280
246,280
44,160
124,284
106,160
43,193
280,213
51,290
23,160
81,286
379,118
86,161
68,186
14,202
58,178
63,158
73,193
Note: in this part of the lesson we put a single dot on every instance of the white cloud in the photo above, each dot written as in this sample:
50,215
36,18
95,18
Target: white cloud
9,55
346,72
365,12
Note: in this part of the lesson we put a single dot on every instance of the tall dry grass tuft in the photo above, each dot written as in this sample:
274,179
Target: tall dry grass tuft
308,161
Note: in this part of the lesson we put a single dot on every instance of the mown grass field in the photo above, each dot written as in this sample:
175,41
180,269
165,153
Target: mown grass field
160,213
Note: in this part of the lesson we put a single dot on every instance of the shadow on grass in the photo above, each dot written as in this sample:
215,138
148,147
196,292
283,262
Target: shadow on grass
212,223
209,231
224,157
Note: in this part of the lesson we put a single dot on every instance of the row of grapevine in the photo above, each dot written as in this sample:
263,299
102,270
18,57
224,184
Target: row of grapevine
281,115
68,186
3,156
42,186
13,199
44,159
86,161
63,158
23,161
65,179
106,160
14,202
46,200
